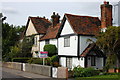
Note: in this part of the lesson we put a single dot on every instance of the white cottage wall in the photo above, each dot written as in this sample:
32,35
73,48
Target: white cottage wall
54,42
63,61
31,29
68,51
67,29
42,43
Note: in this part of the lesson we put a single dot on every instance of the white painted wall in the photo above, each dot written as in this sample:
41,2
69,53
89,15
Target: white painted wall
99,63
72,50
84,43
54,41
51,41
63,61
67,29
75,62
42,44
82,62
31,30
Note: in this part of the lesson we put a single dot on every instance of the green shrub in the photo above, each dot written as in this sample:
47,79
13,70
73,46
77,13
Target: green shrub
51,49
21,59
35,61
55,61
39,61
84,72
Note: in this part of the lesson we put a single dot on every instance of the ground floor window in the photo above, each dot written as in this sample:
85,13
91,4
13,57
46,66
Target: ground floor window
69,63
93,59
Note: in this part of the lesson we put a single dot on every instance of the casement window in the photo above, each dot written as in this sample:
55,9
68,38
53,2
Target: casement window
93,61
69,63
67,42
35,40
46,41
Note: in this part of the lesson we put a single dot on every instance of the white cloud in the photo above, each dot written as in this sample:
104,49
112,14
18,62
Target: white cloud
9,10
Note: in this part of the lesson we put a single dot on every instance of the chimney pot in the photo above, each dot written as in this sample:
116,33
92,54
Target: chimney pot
105,2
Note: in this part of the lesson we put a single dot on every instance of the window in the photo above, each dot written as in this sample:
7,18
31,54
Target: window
69,63
93,63
67,42
46,41
35,40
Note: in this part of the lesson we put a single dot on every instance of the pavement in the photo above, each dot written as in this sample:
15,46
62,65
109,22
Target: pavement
12,74
22,73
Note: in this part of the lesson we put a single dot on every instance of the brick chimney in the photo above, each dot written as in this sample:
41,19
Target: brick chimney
55,19
106,15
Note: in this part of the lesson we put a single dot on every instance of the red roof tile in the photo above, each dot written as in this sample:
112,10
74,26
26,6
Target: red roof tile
92,47
40,24
51,32
84,25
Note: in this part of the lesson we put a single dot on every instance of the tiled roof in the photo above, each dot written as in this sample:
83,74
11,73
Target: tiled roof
92,47
84,25
40,24
51,32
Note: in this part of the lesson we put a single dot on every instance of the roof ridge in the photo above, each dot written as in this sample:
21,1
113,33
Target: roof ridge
80,15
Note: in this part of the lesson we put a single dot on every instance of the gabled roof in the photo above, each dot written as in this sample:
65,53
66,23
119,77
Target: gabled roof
40,24
84,25
52,32
92,47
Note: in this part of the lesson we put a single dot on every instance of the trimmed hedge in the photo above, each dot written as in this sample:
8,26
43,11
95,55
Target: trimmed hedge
21,59
39,61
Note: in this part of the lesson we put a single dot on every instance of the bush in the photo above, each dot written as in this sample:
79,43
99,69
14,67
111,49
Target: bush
35,61
39,61
55,61
21,59
51,49
84,72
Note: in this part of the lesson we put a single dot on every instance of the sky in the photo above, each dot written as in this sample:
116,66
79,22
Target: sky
17,12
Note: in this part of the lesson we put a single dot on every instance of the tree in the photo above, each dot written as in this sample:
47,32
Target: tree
10,38
52,50
109,42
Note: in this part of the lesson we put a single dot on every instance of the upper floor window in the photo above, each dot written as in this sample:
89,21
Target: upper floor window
46,41
67,42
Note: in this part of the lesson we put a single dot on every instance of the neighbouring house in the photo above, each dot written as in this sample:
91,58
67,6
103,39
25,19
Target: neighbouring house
73,46
37,27
51,36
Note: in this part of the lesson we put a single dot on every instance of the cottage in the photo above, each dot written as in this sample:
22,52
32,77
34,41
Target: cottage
51,36
74,48
36,26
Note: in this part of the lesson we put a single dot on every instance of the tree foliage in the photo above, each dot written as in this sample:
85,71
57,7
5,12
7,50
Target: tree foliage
10,37
52,50
109,42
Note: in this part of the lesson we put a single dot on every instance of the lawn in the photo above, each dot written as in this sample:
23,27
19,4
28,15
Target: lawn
101,77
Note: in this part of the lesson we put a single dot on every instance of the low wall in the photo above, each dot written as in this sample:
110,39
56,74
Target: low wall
60,72
39,69
13,65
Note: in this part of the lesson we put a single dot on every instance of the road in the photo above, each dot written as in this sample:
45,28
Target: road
11,76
